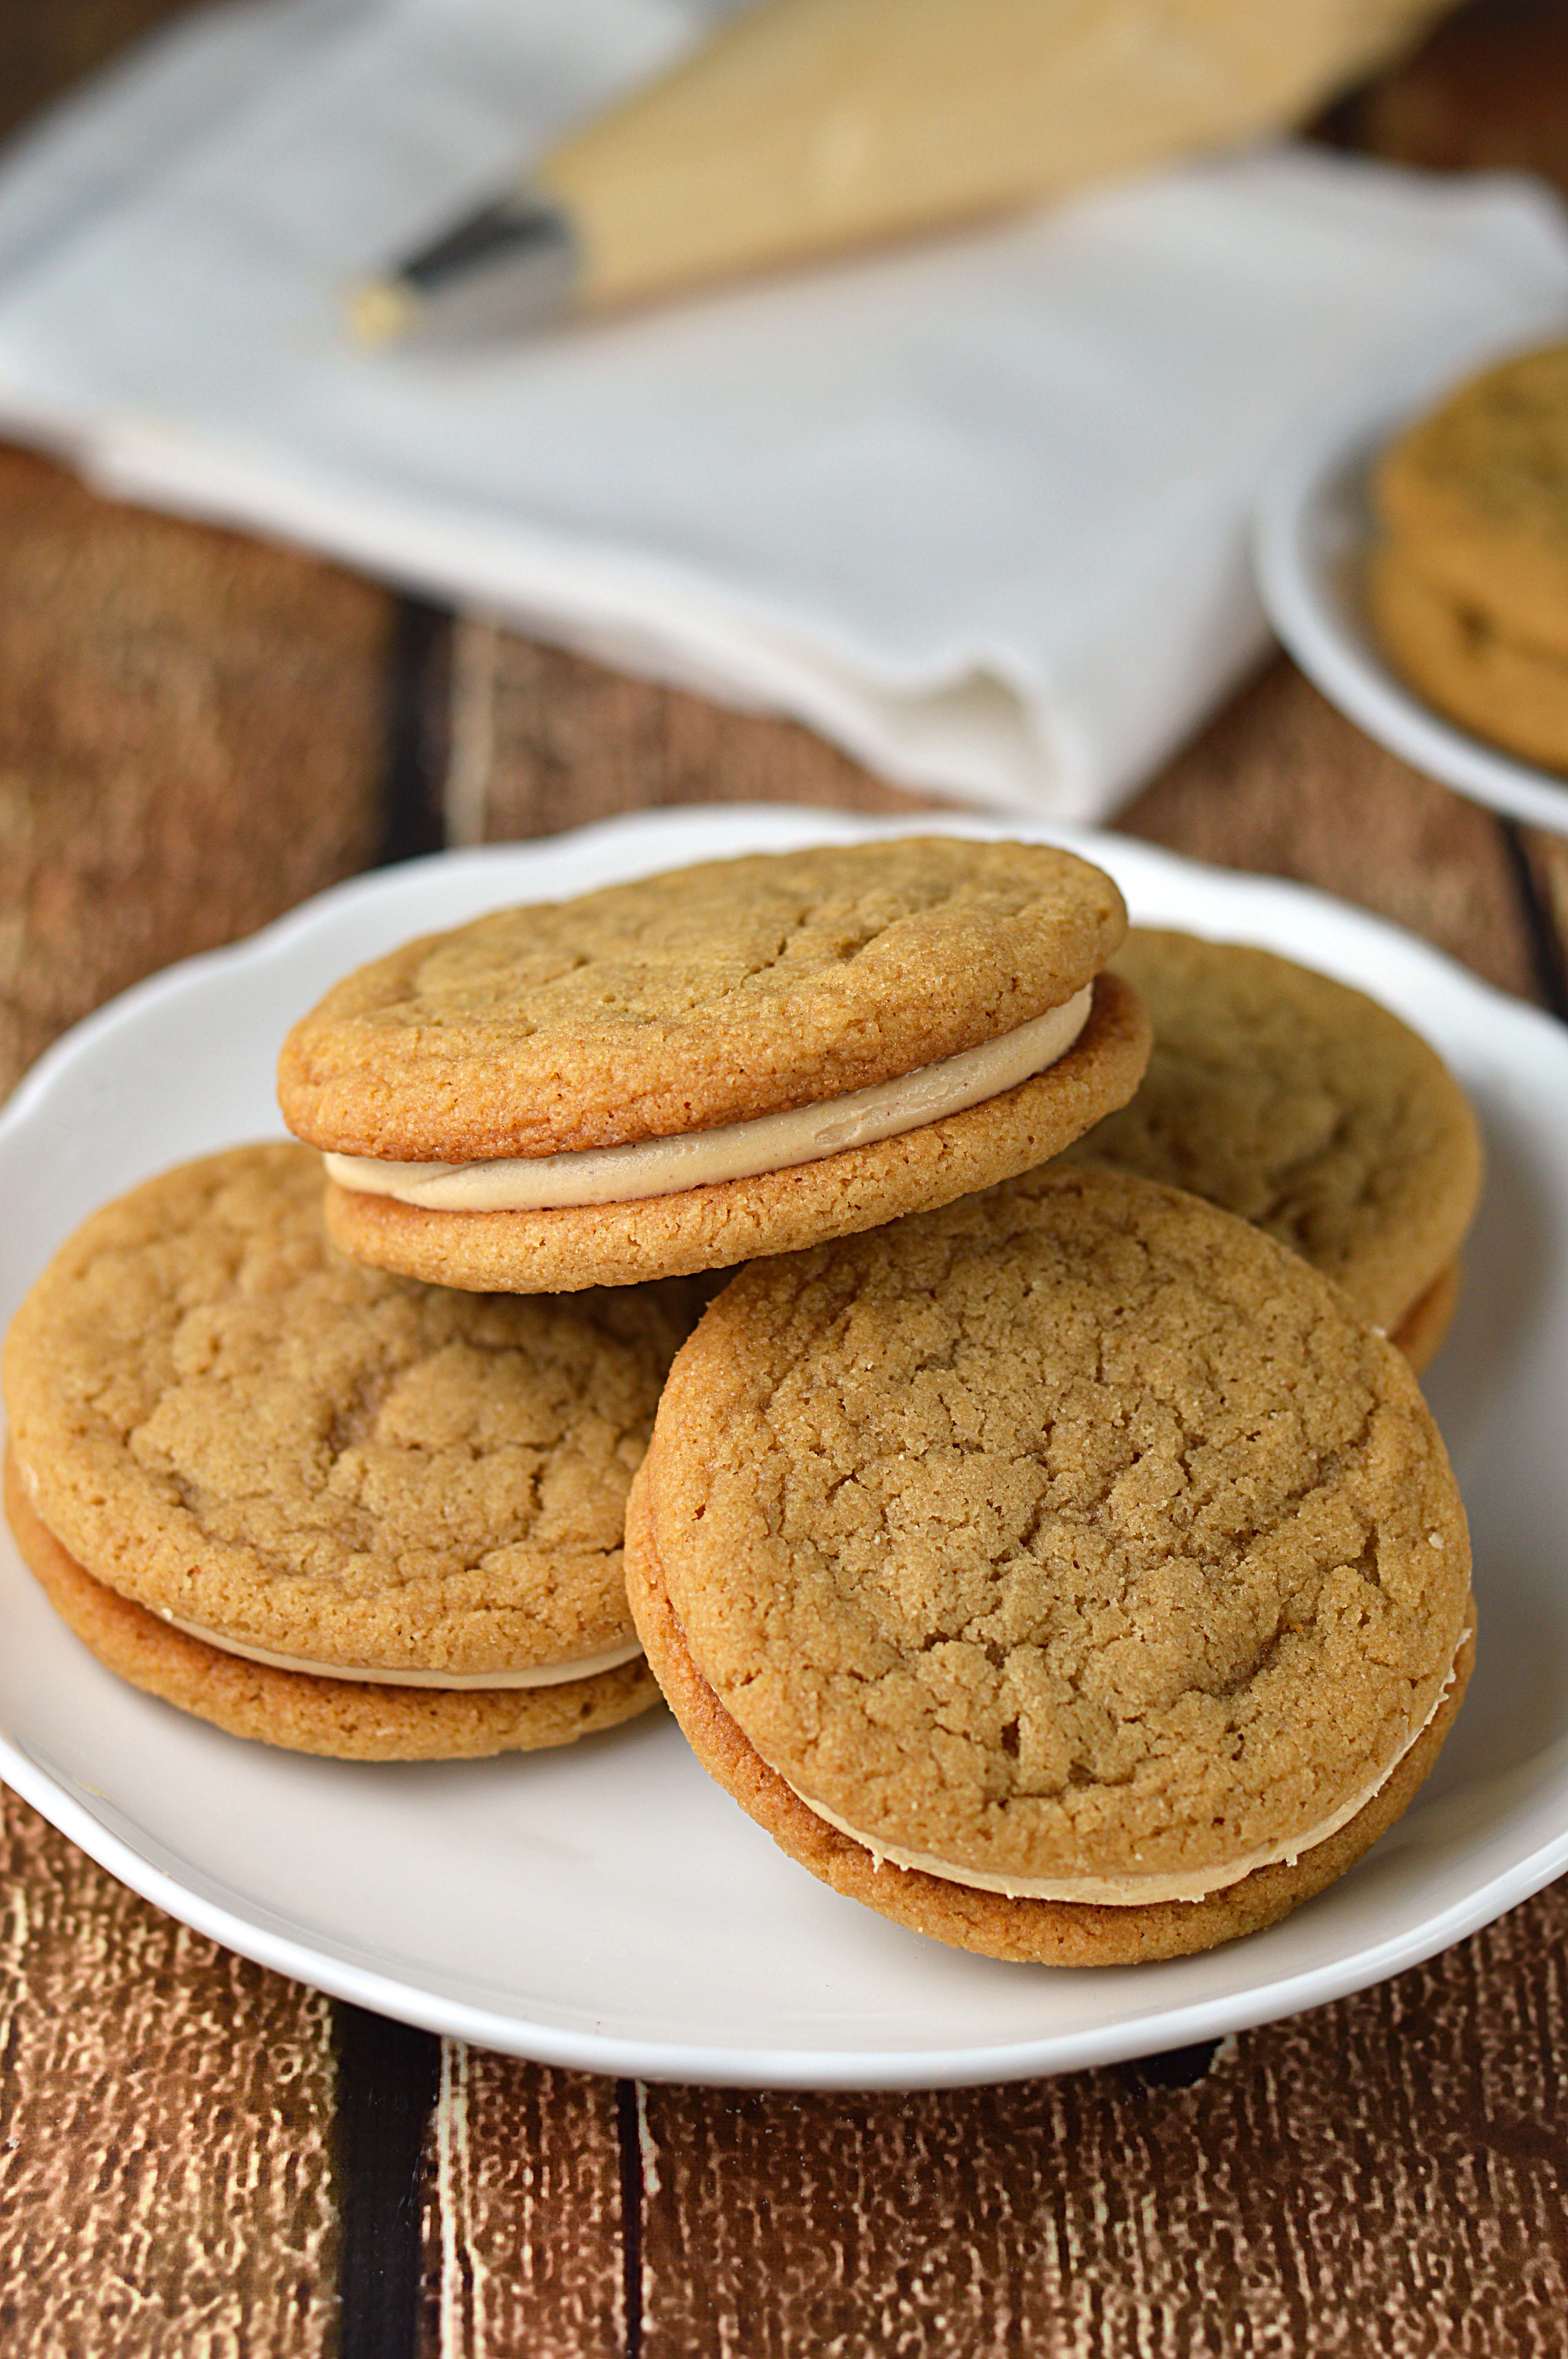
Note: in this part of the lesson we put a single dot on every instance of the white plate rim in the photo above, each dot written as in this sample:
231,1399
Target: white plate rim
1309,618
658,838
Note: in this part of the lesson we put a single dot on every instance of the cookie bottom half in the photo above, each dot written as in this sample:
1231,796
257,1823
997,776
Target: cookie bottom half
345,1720
1512,695
1419,1334
733,1220
1030,1932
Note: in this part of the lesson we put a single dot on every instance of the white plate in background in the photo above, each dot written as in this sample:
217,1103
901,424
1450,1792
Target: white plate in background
607,1907
1314,527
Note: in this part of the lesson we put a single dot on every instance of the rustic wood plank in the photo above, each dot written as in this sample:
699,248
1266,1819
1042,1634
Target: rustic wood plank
523,2213
192,739
166,2179
1385,2175
1282,782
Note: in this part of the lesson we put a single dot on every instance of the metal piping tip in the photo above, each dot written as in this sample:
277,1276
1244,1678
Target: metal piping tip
380,312
512,268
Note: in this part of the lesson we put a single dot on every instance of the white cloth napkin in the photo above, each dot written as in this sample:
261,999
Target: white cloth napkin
978,511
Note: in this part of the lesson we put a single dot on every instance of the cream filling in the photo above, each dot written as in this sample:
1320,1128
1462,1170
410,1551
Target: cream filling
737,1150
1129,1891
541,1675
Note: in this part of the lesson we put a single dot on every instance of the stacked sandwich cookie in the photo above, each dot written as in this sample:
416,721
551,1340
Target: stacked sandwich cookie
347,1472
741,1058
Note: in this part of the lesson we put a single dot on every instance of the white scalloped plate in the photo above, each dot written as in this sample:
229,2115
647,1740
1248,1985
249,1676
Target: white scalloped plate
607,1907
1313,530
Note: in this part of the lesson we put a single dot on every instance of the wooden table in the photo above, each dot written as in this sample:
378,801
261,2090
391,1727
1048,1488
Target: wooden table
199,2159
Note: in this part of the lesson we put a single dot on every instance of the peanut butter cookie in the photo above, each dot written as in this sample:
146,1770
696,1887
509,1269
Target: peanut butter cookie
1475,493
322,1505
1306,1108
737,1059
1500,689
1069,1574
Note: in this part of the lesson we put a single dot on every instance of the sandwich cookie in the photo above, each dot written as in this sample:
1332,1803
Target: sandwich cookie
724,1062
1304,1107
1474,496
1500,689
324,1506
1069,1574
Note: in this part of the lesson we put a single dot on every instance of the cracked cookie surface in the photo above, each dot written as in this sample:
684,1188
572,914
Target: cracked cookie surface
1302,1106
220,1417
1077,1530
706,995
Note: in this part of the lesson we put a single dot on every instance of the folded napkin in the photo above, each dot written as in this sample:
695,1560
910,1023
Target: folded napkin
978,511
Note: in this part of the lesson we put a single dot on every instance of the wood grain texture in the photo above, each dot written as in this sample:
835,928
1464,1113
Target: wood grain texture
1385,2176
192,739
190,733
523,2213
166,2122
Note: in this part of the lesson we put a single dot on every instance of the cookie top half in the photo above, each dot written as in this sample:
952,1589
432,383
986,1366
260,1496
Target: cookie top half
220,1417
1077,1531
1475,493
1301,1105
701,997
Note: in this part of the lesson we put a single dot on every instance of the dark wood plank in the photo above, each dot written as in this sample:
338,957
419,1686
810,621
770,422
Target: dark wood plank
1386,2175
388,2075
523,2213
166,2174
192,739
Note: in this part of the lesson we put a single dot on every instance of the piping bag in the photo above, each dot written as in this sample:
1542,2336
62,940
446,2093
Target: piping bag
804,128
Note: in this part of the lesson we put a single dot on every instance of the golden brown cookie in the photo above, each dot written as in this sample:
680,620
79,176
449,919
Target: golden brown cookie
1477,494
349,1481
1026,1932
733,1220
1076,1548
1453,656
1306,1108
738,1059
